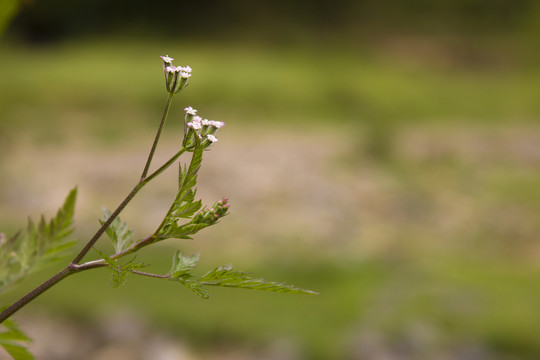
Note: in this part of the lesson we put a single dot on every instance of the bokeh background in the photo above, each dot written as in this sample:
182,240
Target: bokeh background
383,153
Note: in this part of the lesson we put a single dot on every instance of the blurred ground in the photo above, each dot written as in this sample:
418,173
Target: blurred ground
407,196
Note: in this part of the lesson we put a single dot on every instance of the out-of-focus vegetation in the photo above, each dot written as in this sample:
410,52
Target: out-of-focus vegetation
383,153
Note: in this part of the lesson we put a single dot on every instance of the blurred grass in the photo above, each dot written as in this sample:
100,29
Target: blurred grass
470,283
117,79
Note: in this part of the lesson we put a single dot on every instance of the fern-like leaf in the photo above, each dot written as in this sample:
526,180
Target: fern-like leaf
184,204
225,276
14,341
118,232
37,245
119,272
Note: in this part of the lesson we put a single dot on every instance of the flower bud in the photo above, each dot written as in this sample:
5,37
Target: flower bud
221,207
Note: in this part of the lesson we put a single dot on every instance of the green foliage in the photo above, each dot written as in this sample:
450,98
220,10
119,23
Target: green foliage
120,272
13,340
37,245
223,276
184,204
182,265
118,232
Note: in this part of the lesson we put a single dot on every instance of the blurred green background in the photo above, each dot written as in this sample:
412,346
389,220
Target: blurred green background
383,153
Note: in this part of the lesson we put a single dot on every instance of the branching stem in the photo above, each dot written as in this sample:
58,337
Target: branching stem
61,275
75,266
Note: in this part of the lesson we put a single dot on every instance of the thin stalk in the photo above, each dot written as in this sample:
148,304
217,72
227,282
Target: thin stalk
156,140
156,276
61,275
108,222
165,166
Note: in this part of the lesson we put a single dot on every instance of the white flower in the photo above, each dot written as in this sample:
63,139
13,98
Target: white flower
186,69
171,68
205,122
212,138
185,75
191,110
197,118
167,59
216,124
195,125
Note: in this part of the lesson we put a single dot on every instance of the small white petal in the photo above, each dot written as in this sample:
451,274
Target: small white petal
190,110
167,59
212,138
195,125
217,124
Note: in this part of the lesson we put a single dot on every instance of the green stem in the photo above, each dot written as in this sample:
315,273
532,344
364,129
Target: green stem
156,140
156,276
164,166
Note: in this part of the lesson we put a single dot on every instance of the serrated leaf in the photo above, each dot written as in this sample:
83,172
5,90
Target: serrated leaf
184,204
13,332
188,209
37,245
119,272
196,287
184,231
13,341
17,352
225,276
118,232
107,258
182,265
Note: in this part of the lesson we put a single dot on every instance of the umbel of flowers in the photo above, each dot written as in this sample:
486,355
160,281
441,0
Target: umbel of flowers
197,129
176,77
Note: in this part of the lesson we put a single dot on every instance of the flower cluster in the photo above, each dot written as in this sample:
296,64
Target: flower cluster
197,129
176,77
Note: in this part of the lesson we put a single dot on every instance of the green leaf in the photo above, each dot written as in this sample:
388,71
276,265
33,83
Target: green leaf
119,272
184,231
225,276
107,258
196,287
182,265
118,232
13,341
17,352
184,204
37,245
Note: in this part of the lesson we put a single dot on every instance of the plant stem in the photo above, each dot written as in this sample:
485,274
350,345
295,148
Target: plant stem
156,276
74,266
156,140
61,275
107,223
164,166
124,203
